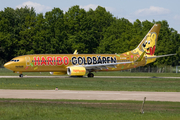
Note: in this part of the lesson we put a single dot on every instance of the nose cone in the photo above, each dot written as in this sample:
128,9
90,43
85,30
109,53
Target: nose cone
7,65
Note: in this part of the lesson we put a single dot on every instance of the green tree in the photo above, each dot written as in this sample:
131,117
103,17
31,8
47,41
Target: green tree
116,37
55,32
93,31
76,22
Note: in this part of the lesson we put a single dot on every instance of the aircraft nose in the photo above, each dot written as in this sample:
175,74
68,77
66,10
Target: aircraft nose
7,65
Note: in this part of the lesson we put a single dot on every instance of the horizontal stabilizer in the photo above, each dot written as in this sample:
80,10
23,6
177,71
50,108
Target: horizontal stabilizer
160,56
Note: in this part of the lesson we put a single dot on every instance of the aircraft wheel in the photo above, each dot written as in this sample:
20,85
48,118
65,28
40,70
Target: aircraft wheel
21,75
90,75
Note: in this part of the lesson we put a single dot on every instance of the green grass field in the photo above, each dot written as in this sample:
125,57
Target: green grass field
87,110
17,109
105,84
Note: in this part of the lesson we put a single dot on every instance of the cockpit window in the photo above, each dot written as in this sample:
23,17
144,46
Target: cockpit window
15,60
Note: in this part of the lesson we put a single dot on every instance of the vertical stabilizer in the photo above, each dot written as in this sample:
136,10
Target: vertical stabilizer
148,44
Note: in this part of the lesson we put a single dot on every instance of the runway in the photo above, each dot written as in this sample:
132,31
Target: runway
86,77
90,95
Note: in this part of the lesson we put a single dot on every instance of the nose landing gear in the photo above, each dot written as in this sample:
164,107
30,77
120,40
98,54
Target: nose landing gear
21,75
90,74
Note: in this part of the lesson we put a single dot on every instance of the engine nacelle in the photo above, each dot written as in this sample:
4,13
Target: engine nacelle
57,73
76,71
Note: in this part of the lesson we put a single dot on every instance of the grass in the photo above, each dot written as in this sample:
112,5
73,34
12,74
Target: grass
87,110
120,73
6,72
104,84
30,109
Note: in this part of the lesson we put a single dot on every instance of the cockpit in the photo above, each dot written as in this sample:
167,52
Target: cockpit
15,60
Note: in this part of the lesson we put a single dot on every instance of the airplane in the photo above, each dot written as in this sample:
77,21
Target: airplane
80,64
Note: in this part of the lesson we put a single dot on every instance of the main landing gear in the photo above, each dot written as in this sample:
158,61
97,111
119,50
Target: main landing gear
20,75
90,74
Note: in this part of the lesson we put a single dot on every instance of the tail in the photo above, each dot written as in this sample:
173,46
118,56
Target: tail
148,44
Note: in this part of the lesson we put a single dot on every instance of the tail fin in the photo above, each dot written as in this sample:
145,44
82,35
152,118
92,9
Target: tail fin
148,44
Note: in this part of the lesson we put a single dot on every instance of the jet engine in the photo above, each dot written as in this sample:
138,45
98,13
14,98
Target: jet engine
76,71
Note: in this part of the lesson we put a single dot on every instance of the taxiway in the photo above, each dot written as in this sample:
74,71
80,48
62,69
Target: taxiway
90,95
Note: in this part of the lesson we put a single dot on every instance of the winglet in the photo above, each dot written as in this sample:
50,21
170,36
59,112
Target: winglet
75,52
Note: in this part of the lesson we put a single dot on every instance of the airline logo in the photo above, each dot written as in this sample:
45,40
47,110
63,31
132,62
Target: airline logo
78,71
53,61
50,61
92,60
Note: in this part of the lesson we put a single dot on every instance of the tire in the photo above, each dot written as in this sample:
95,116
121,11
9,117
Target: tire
21,75
90,75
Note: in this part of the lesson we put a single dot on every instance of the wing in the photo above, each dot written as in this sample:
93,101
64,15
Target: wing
103,66
113,65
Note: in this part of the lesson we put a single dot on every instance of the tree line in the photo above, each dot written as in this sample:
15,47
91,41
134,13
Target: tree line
23,31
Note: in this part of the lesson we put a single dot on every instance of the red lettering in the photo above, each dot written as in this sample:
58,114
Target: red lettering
59,60
66,60
36,61
54,60
49,60
43,61
78,71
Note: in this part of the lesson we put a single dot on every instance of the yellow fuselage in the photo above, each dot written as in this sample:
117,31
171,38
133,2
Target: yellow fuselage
60,62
